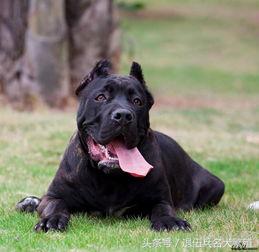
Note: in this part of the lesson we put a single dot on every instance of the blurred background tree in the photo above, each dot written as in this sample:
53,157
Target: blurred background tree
47,46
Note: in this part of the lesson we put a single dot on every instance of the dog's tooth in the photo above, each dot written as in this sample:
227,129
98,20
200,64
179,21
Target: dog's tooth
102,147
112,158
107,153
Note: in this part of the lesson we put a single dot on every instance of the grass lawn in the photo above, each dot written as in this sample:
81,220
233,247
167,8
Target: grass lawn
201,62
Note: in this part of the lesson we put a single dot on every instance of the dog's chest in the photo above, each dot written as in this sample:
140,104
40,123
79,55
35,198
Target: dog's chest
110,200
116,211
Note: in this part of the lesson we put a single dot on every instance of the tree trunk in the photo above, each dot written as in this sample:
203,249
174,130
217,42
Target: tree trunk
13,24
94,35
43,60
45,70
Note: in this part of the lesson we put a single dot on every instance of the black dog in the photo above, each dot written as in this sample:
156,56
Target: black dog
116,165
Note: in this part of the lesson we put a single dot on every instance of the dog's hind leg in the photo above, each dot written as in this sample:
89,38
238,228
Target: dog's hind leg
28,204
210,193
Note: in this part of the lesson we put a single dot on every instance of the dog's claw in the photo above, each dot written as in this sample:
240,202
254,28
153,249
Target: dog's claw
57,222
169,223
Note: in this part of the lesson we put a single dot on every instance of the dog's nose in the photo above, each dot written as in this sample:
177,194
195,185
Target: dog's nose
122,116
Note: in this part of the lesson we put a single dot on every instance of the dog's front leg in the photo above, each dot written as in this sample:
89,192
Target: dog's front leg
53,213
163,217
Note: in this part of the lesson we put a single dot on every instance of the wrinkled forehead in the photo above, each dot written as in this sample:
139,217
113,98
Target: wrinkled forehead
118,83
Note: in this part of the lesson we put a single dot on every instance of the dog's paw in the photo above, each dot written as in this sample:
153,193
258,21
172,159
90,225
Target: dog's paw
168,223
28,204
57,222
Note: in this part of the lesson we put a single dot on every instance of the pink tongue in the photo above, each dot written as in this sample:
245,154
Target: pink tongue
131,160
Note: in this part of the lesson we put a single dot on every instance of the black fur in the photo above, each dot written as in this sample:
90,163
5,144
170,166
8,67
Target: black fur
80,185
102,68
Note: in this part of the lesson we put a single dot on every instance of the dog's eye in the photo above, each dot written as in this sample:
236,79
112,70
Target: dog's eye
137,102
100,97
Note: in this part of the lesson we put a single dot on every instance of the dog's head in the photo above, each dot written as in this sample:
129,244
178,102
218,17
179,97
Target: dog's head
113,108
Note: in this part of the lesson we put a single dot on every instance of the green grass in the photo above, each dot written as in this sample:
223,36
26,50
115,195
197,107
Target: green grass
201,62
31,146
196,48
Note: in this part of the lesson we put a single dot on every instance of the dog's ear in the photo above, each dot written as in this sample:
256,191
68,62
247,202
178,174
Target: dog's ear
101,69
136,71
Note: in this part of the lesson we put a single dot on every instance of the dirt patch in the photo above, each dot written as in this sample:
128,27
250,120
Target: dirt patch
253,138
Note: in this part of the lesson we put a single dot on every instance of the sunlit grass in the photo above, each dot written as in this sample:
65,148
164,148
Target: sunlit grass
29,159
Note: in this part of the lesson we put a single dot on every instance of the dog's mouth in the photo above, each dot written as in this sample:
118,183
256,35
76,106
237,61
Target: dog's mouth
116,155
105,155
